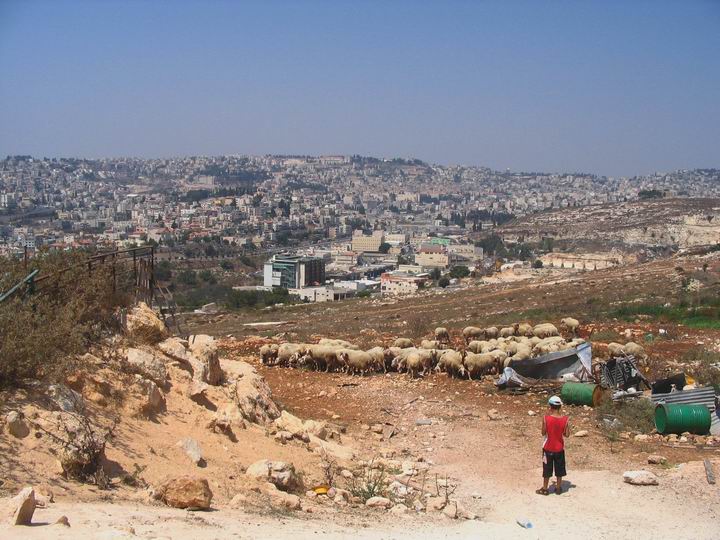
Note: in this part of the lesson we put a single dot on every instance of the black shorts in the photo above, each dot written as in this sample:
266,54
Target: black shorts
553,460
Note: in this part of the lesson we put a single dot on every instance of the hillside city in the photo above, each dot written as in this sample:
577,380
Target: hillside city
358,222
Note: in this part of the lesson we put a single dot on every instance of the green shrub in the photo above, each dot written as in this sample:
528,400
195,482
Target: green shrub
42,333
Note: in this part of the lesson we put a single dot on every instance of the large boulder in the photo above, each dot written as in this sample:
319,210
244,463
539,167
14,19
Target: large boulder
145,326
186,492
640,478
251,393
20,509
148,365
279,473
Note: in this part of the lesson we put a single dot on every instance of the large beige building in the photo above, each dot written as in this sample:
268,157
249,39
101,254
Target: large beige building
364,242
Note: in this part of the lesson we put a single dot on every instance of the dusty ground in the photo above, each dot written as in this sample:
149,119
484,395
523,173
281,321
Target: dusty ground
494,465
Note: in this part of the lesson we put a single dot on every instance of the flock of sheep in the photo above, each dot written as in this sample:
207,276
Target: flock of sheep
487,351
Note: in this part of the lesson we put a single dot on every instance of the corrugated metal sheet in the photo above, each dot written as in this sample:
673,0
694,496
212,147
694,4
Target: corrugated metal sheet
697,396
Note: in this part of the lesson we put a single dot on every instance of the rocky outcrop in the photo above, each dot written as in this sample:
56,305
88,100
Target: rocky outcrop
186,492
65,398
300,429
144,326
200,356
148,365
20,509
282,499
149,397
250,392
279,473
204,350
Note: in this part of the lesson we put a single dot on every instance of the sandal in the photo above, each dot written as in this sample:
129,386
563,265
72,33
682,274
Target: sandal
542,491
558,491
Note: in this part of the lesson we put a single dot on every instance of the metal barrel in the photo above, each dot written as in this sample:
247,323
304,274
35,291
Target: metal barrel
581,394
675,418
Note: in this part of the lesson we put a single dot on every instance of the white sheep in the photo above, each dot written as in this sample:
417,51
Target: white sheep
507,331
477,365
491,332
442,335
355,361
268,353
633,349
451,362
544,330
471,333
571,324
403,343
525,329
615,350
338,343
429,344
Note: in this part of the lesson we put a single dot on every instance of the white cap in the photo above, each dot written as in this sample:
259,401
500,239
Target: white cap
554,400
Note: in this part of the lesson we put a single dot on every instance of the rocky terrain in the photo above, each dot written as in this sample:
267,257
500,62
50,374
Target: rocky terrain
657,223
192,424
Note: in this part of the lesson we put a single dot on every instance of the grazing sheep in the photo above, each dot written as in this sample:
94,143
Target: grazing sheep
471,333
477,346
633,349
288,353
511,347
338,343
451,362
419,362
525,329
429,344
378,358
615,349
355,361
548,345
442,335
321,357
571,324
507,332
403,343
545,330
498,357
491,332
523,353
477,365
268,354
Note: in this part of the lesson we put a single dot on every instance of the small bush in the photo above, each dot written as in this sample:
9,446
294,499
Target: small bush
705,366
368,481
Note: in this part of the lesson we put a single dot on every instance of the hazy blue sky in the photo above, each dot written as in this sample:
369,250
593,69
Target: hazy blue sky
612,87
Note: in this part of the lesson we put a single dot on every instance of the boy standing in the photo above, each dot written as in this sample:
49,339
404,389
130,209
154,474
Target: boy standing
555,427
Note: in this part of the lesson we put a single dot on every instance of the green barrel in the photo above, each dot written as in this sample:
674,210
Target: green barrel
678,419
581,394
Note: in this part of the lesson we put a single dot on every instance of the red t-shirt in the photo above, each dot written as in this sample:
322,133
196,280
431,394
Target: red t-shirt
555,427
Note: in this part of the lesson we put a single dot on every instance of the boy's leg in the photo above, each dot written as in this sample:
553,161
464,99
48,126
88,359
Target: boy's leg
559,470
